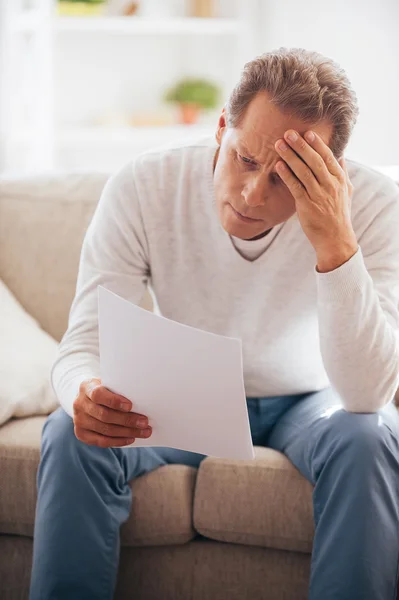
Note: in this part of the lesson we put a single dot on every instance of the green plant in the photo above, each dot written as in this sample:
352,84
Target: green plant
201,92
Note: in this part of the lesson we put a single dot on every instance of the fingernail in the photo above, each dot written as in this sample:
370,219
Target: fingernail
90,388
130,441
142,422
292,136
282,145
310,136
147,432
126,406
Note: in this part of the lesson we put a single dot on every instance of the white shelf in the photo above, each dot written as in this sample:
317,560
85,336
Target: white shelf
143,26
67,136
30,22
108,148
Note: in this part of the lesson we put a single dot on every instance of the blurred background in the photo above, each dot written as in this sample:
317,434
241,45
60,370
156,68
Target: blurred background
88,84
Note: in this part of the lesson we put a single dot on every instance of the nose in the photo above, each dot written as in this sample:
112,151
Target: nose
254,193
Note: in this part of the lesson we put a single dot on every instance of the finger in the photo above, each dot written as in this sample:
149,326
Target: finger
110,430
101,395
343,166
115,417
311,158
333,166
293,184
299,168
95,439
342,163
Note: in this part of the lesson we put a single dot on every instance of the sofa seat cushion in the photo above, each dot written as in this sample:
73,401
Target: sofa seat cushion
162,500
265,502
19,459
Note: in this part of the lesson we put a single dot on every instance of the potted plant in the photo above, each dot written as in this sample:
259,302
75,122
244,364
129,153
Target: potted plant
79,8
193,95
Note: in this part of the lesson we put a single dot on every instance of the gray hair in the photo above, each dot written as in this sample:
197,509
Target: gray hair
304,83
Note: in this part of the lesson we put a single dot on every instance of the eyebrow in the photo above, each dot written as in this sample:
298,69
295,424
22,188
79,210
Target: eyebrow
245,151
247,154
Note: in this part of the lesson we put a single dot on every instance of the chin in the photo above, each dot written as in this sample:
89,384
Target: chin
240,230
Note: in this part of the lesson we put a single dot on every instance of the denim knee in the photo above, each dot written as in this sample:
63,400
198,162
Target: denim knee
361,435
67,456
58,433
63,452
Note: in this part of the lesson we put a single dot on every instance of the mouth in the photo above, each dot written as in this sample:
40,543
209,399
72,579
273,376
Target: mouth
244,218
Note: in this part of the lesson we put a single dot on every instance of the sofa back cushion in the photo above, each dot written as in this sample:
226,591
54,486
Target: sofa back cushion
43,220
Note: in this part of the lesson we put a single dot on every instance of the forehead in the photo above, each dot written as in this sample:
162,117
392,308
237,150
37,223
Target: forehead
263,124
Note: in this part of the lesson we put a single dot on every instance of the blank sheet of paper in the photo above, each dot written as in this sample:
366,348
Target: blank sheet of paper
189,383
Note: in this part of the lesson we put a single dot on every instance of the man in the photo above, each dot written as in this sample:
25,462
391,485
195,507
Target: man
264,234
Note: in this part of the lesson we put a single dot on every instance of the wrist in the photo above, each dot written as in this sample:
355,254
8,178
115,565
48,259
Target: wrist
333,257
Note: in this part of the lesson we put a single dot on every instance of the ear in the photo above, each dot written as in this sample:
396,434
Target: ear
222,125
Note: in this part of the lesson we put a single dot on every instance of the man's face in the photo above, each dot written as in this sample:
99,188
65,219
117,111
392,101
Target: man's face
250,196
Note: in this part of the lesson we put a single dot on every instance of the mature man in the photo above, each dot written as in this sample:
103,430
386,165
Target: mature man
264,234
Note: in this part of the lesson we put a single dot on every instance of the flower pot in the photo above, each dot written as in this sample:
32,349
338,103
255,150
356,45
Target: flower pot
189,113
202,8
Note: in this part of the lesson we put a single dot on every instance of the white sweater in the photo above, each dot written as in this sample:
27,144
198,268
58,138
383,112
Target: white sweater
156,223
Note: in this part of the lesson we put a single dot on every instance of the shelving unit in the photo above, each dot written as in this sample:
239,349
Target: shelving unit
26,85
126,135
142,26
38,127
72,143
65,81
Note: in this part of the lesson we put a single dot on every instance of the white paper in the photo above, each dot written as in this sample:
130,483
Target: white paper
189,383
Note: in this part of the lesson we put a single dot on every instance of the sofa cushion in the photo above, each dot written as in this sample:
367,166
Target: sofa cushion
56,208
264,502
19,458
162,500
24,348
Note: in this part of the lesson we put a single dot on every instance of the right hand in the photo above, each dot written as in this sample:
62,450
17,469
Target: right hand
102,418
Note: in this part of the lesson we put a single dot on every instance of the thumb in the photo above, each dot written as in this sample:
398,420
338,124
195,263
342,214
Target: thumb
91,385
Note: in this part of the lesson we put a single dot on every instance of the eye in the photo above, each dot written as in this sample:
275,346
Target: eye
246,160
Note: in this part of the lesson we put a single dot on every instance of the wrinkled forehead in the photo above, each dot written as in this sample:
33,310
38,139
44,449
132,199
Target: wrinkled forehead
263,124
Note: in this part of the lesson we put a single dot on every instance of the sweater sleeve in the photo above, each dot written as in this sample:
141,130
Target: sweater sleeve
114,255
358,314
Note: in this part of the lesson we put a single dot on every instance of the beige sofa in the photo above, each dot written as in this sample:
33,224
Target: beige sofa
232,530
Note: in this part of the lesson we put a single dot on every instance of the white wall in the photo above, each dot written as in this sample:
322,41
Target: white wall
363,37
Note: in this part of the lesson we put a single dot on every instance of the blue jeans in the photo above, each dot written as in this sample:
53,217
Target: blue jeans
351,459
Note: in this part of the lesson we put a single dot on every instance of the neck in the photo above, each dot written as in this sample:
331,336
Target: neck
260,236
